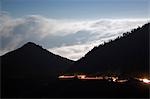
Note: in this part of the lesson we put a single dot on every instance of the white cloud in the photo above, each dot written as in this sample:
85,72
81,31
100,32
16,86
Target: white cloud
73,52
68,38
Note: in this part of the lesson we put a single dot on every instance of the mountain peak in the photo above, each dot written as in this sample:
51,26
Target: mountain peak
31,45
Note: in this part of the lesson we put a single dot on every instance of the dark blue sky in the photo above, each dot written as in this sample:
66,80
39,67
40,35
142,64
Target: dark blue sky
78,9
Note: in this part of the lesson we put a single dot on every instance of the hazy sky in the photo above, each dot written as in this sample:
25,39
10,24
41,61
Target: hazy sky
69,28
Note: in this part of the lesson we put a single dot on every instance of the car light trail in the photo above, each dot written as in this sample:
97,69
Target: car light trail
65,77
122,81
146,81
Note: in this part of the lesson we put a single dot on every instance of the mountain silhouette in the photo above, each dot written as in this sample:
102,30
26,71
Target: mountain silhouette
28,66
33,59
127,54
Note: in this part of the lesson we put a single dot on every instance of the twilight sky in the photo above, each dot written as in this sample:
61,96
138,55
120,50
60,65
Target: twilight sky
69,28
78,9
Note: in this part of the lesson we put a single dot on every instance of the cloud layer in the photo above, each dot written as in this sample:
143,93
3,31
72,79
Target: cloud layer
68,38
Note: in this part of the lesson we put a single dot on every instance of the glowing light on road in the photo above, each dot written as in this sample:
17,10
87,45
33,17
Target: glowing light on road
114,79
146,80
99,78
109,78
81,76
121,81
61,77
65,77
91,78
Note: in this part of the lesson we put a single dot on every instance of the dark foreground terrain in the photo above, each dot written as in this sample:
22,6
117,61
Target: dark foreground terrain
78,88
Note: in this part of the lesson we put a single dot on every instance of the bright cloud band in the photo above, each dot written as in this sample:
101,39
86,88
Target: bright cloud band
68,38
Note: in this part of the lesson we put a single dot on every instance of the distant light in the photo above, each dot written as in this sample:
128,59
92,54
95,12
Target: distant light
140,79
146,80
81,76
61,76
121,81
99,77
65,77
114,79
106,77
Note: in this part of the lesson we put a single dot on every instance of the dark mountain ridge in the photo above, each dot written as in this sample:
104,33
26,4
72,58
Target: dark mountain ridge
128,54
32,58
